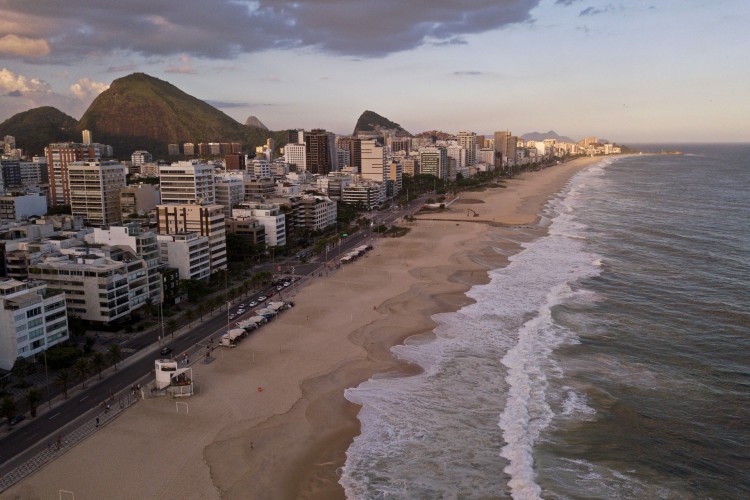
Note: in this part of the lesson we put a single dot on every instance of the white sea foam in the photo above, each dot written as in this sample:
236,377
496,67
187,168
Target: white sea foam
481,402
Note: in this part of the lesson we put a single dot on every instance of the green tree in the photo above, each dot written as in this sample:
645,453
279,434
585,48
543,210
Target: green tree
33,397
201,310
115,354
4,382
81,370
20,370
98,362
63,379
189,315
8,408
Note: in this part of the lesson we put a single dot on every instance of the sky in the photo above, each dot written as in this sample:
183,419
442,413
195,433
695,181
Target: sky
627,71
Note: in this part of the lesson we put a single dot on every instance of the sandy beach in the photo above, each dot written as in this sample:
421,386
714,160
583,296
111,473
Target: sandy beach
270,419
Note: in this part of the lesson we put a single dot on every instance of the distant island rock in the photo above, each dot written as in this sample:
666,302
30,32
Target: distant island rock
253,121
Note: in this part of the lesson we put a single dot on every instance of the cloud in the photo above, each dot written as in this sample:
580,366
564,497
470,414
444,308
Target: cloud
227,28
592,11
21,93
86,88
10,81
566,2
22,46
225,104
467,73
125,68
184,70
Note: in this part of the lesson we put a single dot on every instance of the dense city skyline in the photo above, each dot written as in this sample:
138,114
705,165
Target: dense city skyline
668,71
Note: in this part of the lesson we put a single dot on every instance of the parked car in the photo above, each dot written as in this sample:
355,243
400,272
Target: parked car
240,311
232,316
16,419
165,350
253,304
262,298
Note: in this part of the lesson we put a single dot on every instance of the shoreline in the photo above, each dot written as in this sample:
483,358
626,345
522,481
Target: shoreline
289,439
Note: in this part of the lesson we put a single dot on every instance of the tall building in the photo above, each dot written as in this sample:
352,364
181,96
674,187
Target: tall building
187,182
86,136
468,140
296,154
95,191
354,146
32,319
373,161
59,155
433,160
502,144
230,190
205,220
320,152
141,243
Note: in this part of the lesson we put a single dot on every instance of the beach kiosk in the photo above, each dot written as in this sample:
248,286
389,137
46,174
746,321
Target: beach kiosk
231,338
174,380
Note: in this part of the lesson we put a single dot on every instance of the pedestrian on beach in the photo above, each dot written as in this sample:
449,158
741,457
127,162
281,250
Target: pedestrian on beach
97,421
59,441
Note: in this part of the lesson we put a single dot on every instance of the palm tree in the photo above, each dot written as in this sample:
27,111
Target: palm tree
98,362
189,316
8,408
33,396
4,382
115,354
201,310
81,369
63,379
171,326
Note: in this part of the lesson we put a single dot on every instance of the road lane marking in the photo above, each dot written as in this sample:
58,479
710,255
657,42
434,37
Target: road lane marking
53,416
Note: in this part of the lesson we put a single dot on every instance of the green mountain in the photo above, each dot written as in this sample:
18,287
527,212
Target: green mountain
369,121
142,112
36,128
138,112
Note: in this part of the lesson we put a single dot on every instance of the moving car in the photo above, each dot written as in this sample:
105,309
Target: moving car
165,350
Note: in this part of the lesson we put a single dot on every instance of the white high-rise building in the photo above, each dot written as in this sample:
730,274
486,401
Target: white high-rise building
94,188
187,182
468,140
295,154
230,190
32,319
373,161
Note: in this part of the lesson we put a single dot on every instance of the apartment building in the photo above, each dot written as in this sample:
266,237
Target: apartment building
32,319
270,216
205,220
103,285
187,182
94,188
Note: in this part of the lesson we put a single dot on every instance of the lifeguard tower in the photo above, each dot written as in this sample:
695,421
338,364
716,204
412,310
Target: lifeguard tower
178,382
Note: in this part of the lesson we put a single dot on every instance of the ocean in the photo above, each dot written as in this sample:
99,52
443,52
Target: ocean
609,359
